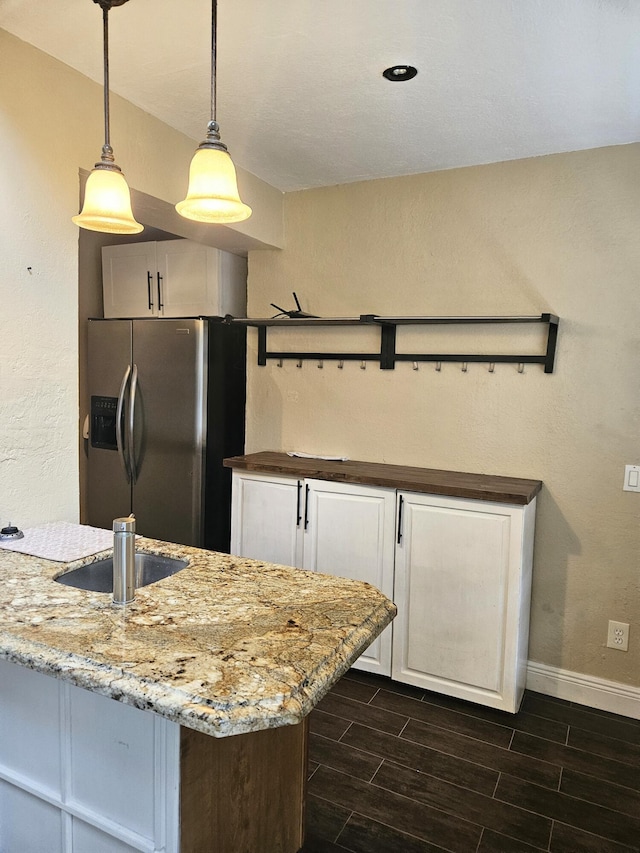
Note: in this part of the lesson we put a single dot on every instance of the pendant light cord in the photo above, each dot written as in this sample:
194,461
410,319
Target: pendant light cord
214,28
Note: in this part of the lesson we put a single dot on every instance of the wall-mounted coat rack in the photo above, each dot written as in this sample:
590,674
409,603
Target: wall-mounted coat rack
387,356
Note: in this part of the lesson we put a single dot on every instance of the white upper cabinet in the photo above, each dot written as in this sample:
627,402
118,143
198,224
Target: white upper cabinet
172,278
129,282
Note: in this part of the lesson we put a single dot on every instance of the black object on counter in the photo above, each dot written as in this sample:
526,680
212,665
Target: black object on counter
11,532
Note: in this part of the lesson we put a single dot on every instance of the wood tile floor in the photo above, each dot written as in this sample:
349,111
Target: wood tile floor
394,769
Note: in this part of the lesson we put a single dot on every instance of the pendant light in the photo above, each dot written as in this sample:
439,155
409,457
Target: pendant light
213,195
107,200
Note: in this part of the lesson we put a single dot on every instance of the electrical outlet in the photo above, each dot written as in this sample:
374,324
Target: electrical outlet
618,636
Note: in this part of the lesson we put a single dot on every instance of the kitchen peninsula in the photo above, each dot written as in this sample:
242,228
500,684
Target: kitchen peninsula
229,654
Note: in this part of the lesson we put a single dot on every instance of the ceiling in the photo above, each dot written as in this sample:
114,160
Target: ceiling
301,97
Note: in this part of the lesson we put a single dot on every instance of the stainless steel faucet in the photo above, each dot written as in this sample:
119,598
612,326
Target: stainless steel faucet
124,560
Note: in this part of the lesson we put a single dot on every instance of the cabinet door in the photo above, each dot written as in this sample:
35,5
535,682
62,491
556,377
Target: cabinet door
461,588
188,279
197,280
350,533
129,280
266,518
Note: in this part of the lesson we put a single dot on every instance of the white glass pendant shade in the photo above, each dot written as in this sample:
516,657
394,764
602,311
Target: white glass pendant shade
107,200
213,189
107,204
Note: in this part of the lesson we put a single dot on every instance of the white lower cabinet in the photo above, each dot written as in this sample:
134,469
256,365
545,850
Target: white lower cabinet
349,532
321,526
84,773
459,571
463,588
81,773
266,518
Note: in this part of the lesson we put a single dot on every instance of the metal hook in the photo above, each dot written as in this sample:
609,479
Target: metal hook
363,366
340,364
521,367
415,365
320,363
438,366
464,366
279,362
492,366
299,364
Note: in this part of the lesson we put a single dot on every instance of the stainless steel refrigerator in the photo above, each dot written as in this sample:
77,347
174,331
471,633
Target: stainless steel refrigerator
167,402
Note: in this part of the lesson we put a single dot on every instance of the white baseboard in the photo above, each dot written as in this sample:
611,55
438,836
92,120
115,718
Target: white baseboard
584,689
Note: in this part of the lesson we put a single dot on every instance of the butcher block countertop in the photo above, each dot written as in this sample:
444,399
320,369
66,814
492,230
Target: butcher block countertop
483,487
226,646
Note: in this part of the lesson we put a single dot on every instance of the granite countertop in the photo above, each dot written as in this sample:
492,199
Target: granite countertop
226,646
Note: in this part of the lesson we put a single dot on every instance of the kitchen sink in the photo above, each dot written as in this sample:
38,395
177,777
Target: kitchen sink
98,576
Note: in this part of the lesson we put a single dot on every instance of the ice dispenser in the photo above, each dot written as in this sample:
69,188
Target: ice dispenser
103,422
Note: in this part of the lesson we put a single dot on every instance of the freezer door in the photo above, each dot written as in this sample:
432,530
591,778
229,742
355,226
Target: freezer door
108,487
170,356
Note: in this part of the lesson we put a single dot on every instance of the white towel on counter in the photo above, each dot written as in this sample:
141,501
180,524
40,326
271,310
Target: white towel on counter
61,541
302,455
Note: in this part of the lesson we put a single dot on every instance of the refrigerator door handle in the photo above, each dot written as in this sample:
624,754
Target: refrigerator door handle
132,418
119,419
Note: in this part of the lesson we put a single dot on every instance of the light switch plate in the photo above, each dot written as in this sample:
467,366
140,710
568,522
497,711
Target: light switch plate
631,478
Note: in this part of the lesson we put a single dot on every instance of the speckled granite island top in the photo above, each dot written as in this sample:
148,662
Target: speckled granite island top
226,646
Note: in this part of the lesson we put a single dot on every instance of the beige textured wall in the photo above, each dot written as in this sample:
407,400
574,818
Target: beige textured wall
50,127
559,234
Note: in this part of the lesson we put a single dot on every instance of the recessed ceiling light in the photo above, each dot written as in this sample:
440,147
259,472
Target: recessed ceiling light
400,72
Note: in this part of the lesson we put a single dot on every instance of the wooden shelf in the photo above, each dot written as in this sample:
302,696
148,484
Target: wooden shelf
484,487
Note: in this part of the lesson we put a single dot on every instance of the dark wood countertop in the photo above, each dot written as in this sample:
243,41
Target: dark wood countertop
484,487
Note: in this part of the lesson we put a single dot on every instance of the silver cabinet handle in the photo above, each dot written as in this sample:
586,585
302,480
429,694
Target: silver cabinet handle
132,419
119,419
